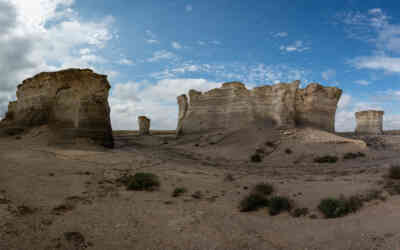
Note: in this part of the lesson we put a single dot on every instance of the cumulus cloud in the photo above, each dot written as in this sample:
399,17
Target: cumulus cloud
155,100
297,46
280,34
161,55
176,45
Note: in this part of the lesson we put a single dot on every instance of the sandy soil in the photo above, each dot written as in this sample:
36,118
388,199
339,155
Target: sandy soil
68,197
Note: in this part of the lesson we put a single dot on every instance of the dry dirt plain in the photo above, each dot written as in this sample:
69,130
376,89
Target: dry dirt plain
68,197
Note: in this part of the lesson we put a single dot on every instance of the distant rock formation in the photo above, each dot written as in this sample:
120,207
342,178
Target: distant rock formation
72,102
369,122
233,106
144,125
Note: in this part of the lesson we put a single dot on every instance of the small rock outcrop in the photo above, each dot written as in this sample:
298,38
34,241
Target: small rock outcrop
144,125
283,105
72,102
369,122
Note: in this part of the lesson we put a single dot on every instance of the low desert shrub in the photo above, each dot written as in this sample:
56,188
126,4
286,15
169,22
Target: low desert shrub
334,208
288,151
179,191
394,172
392,187
298,212
141,181
263,189
326,159
351,155
197,195
252,202
256,158
278,204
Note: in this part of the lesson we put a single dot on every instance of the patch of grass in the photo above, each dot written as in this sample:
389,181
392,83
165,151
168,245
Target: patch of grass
326,159
298,212
394,172
334,208
179,191
141,181
256,158
351,155
278,204
263,189
392,187
253,202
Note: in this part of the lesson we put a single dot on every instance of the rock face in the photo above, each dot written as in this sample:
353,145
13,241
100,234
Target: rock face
233,106
73,102
144,125
369,122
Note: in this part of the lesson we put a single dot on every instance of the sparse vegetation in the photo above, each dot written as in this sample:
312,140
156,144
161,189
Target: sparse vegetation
288,151
140,181
263,189
326,159
394,172
278,204
256,158
351,155
270,144
229,177
392,187
298,212
197,195
333,207
252,202
179,191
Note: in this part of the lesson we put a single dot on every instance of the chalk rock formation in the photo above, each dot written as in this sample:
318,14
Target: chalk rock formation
144,125
72,102
369,122
316,106
233,106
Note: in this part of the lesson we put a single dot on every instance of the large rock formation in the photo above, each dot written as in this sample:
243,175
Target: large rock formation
73,102
233,106
144,125
369,122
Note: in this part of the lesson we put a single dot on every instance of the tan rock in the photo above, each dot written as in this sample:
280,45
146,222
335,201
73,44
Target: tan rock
282,105
144,125
73,102
369,122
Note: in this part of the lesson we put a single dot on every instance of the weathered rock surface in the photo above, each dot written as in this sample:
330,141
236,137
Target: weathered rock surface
369,122
73,102
144,125
282,105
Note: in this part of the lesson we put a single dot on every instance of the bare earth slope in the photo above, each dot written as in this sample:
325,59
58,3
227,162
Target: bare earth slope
68,198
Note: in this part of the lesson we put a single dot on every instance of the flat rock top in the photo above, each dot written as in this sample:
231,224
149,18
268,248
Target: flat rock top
369,112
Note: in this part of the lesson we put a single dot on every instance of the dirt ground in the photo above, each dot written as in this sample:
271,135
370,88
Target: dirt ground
68,197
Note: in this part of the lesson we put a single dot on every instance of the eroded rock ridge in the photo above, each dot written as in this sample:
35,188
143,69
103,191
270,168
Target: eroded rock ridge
72,102
283,105
369,122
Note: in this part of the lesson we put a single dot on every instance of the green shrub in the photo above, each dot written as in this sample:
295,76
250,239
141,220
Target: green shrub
298,212
256,158
394,172
252,202
349,156
179,191
333,208
142,181
278,204
263,189
326,159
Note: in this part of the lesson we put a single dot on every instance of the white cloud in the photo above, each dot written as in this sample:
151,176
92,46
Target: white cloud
125,61
161,55
176,45
297,46
215,42
189,8
157,101
280,34
329,74
151,38
386,63
47,35
363,82
201,43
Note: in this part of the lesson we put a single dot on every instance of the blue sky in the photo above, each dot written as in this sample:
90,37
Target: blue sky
153,51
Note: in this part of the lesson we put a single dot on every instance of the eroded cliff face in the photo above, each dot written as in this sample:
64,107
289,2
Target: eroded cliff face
233,106
73,102
369,122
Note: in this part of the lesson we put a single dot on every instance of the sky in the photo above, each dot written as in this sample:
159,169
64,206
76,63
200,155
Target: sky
155,50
